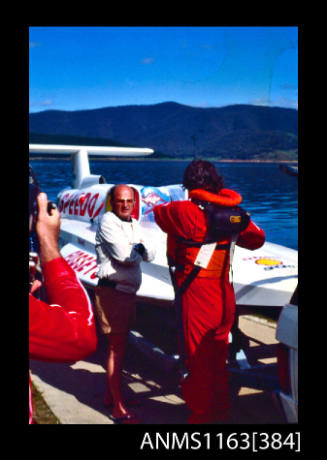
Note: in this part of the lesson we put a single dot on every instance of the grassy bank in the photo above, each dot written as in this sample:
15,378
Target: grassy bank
42,412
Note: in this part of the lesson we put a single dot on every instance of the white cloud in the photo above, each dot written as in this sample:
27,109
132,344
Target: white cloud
280,101
33,45
147,60
261,101
44,103
286,102
47,102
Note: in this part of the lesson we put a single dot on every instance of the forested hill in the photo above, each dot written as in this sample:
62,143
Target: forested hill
176,130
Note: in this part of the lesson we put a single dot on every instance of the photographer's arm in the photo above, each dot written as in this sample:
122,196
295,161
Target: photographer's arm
64,328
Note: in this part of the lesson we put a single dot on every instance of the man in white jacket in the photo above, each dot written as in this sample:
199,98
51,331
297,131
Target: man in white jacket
120,250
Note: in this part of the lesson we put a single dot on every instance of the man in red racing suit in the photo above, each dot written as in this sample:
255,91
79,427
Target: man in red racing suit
208,303
63,330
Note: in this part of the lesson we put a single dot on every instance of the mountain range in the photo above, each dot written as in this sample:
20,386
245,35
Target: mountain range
179,131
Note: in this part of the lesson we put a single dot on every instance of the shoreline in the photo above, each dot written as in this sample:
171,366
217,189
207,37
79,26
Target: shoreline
54,158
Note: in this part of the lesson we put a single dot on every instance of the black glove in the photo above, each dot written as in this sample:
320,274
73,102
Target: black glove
139,248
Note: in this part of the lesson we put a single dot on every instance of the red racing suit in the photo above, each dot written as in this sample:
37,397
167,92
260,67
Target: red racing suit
207,305
64,330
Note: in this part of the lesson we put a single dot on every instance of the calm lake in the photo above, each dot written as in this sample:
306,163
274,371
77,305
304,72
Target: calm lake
268,194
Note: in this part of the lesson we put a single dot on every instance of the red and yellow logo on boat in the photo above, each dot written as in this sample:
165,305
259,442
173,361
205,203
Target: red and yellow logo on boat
268,261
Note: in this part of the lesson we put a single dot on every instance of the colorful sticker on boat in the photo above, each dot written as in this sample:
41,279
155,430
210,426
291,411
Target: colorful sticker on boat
80,204
151,197
268,261
83,263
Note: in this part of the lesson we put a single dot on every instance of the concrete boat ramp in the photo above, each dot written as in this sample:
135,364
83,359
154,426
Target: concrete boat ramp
74,392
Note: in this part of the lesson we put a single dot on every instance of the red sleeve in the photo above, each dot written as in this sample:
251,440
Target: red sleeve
64,329
253,237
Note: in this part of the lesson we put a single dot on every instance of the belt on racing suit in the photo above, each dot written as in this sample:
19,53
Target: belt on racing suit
200,263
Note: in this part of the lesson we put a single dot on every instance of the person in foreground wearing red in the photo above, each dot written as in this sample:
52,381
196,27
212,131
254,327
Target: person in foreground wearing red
62,330
208,303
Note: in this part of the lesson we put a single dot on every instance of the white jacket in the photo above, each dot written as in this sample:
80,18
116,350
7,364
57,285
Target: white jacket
116,257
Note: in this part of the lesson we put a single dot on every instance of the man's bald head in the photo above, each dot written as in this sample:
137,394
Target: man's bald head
122,201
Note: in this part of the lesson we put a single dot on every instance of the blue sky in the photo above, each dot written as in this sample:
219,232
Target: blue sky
76,68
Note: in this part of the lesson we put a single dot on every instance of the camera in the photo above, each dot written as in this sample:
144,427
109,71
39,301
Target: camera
34,190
